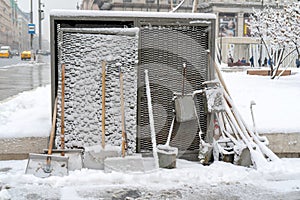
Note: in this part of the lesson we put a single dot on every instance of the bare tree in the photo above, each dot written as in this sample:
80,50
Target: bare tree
279,32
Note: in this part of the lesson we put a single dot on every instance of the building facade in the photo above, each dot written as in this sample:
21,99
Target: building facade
5,22
23,36
234,40
13,25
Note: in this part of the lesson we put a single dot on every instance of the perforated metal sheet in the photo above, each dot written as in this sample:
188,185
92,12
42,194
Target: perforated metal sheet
163,50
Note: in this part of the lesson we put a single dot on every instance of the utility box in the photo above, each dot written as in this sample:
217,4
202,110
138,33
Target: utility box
131,42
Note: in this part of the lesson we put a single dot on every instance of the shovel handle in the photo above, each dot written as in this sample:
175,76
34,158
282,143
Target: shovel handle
52,128
123,114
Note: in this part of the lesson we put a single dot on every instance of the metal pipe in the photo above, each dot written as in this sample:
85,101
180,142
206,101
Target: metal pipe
40,26
252,103
31,21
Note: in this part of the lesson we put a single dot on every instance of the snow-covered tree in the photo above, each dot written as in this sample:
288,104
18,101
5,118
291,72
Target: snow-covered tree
279,31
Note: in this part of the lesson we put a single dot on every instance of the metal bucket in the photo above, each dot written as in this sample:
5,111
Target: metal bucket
167,156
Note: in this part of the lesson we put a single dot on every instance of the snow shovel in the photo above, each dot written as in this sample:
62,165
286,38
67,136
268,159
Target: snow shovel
151,120
166,153
74,155
42,165
94,156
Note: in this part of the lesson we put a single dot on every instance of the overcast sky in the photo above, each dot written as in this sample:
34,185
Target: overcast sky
49,5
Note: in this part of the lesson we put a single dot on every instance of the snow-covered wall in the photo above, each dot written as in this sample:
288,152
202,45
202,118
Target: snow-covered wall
83,53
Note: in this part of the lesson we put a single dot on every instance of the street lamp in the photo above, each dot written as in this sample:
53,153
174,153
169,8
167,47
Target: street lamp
41,17
31,22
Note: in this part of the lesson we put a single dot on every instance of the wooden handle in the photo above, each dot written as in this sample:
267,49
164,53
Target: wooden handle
62,136
123,115
50,146
103,103
52,128
220,77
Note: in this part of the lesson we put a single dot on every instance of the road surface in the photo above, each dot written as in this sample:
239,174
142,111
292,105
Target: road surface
17,76
11,61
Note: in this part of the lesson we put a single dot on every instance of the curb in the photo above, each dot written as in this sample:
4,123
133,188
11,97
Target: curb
19,148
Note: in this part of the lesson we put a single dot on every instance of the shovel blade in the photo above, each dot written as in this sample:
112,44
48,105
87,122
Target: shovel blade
75,157
37,165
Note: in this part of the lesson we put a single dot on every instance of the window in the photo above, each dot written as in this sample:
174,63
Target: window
174,1
246,27
150,1
227,24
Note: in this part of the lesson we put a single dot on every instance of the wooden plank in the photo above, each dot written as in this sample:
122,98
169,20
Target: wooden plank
265,72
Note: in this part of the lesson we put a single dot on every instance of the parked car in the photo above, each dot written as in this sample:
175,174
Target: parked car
15,52
25,55
5,54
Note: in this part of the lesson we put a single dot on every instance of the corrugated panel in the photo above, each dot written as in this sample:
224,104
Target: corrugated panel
163,50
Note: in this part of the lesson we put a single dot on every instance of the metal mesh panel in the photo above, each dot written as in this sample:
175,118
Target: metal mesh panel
163,50
83,53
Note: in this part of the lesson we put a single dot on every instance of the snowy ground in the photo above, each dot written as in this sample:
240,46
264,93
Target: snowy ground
277,108
277,111
188,181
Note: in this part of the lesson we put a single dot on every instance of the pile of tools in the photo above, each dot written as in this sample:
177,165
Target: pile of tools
234,141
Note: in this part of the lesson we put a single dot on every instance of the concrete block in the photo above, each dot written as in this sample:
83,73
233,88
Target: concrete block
284,143
19,148
124,164
149,164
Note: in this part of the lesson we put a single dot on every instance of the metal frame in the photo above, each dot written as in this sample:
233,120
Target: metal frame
71,20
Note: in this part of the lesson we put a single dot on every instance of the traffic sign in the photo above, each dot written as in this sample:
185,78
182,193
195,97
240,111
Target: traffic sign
31,28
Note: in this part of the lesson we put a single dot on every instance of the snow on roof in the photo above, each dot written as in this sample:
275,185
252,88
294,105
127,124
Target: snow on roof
112,31
96,13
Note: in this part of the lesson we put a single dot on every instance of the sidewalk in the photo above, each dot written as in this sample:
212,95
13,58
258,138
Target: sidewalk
189,180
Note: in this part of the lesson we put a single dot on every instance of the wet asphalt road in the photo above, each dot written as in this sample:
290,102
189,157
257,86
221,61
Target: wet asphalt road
17,76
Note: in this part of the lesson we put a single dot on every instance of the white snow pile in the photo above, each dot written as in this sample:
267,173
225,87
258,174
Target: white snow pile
27,114
93,13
